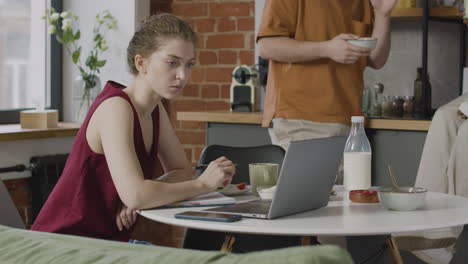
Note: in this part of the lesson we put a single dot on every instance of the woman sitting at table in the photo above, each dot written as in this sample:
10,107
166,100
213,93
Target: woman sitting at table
109,172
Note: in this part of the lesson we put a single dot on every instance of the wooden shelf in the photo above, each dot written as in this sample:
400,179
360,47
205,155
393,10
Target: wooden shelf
407,13
447,12
15,132
255,118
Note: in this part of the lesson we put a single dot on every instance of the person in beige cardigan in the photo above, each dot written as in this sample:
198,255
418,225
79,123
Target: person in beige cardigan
443,168
444,161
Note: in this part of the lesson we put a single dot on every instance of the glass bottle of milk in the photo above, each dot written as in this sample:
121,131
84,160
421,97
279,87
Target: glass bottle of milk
357,157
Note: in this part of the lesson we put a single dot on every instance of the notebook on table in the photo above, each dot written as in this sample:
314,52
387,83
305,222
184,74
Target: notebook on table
208,199
304,183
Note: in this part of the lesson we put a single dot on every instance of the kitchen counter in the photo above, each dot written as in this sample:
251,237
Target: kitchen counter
397,142
256,118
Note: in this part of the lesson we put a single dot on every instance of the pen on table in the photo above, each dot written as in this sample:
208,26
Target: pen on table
203,166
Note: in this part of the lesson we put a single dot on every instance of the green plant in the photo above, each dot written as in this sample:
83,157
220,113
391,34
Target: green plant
65,28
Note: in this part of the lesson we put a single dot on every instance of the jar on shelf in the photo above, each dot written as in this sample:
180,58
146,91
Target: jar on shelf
397,106
408,107
387,105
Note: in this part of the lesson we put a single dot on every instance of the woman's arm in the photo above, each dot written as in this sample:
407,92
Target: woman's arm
171,153
113,121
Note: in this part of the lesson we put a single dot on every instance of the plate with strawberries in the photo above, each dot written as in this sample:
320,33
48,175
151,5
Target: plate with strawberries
363,196
235,189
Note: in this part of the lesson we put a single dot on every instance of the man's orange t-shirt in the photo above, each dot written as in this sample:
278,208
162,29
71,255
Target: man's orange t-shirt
321,90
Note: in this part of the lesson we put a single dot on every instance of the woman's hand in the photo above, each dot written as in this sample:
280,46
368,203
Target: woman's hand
218,173
125,217
461,115
383,7
339,50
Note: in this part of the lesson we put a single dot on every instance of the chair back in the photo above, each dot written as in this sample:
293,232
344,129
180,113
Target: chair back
9,214
242,156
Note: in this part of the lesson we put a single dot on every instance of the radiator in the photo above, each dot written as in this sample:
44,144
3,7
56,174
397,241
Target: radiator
45,172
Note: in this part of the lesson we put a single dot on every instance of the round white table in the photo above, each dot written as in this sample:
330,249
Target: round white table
339,217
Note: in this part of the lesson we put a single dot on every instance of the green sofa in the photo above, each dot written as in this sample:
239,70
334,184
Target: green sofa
25,246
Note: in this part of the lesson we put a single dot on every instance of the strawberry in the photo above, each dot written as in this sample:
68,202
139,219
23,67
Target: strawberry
241,186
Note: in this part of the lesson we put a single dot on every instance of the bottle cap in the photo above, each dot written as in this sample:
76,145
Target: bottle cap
357,119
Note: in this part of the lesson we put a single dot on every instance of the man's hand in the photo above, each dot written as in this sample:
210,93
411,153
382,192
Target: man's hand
338,49
125,217
383,7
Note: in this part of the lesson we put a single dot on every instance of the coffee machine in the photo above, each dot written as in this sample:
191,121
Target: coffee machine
245,89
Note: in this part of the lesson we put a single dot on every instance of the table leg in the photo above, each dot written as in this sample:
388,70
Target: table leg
228,243
394,252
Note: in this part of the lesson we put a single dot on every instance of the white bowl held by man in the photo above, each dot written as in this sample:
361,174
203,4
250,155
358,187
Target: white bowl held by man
364,42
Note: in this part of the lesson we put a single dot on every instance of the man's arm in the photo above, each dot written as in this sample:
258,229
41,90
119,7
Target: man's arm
382,10
284,49
288,50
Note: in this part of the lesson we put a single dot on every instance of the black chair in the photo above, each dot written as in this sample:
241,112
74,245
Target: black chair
242,156
9,216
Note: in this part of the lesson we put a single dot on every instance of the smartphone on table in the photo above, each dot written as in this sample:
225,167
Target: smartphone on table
208,216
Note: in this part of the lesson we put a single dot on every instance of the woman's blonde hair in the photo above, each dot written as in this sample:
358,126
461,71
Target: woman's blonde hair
147,39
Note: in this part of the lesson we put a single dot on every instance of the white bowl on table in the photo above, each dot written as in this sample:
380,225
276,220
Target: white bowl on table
403,198
266,193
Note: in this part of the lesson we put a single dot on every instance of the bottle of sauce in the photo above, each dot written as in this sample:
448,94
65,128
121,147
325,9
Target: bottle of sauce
357,157
422,97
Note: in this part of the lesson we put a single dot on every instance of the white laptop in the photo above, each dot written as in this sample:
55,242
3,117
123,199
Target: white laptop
304,183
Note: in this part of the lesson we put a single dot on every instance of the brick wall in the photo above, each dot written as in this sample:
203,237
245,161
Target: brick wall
226,39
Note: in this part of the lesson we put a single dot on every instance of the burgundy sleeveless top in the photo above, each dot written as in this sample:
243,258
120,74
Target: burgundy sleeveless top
84,202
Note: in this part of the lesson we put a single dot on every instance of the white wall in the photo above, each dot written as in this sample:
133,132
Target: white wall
399,73
127,12
20,151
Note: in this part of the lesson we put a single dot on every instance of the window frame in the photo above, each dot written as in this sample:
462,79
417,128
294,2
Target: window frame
11,116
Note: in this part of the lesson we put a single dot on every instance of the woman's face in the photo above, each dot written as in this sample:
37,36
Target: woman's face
169,68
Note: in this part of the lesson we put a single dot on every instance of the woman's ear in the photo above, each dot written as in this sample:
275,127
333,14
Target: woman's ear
140,63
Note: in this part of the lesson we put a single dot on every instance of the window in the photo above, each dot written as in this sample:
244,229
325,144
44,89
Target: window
30,64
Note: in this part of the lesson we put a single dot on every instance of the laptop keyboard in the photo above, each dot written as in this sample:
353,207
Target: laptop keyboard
252,207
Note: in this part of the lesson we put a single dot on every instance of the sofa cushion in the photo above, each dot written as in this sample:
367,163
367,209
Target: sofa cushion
25,246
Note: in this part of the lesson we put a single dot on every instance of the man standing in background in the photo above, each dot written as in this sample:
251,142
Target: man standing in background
315,79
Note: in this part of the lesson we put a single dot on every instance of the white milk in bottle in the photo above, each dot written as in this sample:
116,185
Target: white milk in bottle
357,157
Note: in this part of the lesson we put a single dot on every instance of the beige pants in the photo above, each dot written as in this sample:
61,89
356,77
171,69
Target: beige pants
284,131
444,161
